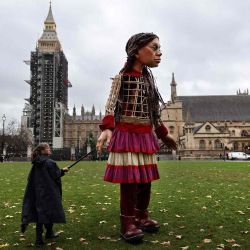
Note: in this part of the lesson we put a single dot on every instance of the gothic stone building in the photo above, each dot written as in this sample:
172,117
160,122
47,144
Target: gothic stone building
208,126
79,128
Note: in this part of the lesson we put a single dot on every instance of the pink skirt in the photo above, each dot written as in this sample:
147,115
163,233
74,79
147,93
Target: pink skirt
132,157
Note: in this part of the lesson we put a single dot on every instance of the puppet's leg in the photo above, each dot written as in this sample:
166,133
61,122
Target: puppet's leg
141,213
129,231
39,235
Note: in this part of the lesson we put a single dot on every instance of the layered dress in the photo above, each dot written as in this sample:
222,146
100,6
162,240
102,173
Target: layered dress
133,144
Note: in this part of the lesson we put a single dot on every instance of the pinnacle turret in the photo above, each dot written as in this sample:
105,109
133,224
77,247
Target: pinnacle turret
173,85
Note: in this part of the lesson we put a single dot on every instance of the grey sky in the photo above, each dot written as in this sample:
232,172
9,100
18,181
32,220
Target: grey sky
205,42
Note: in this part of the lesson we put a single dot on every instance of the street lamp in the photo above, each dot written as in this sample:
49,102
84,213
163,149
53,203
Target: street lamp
3,118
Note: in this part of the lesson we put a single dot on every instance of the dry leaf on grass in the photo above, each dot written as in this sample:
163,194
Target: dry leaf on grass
207,241
4,245
166,243
241,212
178,237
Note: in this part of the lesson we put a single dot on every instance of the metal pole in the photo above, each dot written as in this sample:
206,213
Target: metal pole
3,118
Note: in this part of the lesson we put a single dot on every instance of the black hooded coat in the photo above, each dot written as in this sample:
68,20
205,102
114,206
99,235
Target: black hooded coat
42,201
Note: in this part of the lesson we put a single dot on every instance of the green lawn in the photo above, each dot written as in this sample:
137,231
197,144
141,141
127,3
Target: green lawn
195,202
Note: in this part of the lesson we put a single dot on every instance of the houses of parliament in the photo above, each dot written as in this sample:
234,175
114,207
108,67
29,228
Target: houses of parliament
203,126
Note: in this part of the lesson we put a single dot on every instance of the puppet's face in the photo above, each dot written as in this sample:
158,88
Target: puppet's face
150,55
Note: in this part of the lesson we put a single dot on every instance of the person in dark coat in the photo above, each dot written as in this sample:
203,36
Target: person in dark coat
42,203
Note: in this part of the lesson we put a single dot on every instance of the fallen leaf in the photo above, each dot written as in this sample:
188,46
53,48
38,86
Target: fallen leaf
244,232
201,245
102,222
236,245
231,241
71,210
178,237
154,241
207,241
241,212
166,243
4,245
220,247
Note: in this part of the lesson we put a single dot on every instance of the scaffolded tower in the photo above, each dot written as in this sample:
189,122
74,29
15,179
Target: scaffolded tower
48,86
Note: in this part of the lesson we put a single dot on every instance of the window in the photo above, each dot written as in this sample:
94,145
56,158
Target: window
171,130
208,128
233,133
202,144
236,146
244,133
217,144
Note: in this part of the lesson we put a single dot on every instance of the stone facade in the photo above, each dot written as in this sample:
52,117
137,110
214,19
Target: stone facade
208,126
78,128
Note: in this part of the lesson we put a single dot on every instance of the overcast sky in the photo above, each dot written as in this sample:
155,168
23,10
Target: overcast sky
206,43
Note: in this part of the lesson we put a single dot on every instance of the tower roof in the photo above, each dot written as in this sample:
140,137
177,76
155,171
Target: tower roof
173,80
50,18
216,108
49,41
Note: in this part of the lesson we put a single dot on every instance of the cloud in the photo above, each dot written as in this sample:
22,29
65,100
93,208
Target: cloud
206,44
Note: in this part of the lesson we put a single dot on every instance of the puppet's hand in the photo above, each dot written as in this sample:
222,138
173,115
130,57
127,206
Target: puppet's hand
169,142
104,137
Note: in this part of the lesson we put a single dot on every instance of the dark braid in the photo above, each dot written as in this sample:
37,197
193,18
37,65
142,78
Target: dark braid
154,97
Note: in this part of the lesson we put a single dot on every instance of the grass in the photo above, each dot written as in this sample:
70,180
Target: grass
194,201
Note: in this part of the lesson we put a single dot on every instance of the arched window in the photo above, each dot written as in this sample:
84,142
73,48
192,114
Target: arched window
233,132
217,144
202,144
171,130
208,128
244,133
236,145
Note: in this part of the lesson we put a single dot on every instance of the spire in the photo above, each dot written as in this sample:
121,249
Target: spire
50,18
74,112
173,80
93,110
82,112
173,85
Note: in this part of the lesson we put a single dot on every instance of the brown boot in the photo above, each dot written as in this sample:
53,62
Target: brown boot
144,222
129,231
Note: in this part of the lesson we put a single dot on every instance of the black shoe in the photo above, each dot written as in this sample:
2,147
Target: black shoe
39,243
23,227
51,235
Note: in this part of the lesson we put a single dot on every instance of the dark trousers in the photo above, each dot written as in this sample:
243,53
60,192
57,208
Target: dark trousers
134,196
39,228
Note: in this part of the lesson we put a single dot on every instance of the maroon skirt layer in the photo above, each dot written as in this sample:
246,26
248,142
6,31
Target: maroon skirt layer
131,174
125,141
